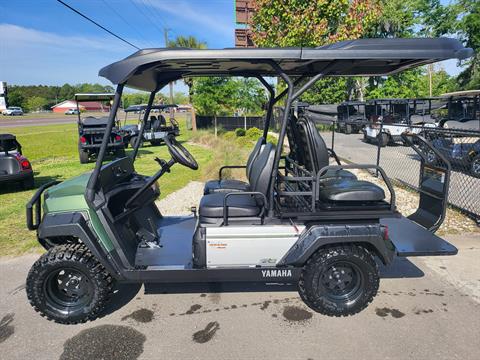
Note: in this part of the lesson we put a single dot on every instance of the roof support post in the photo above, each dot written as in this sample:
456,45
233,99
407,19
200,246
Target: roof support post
92,182
142,126
271,102
281,136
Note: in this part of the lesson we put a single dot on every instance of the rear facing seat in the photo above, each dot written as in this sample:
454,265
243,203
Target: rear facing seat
229,185
243,205
337,186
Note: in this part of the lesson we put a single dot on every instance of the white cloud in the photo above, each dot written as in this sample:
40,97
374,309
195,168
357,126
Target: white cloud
29,56
211,21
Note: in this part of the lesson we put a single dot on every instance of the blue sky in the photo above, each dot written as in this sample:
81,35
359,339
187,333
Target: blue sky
42,42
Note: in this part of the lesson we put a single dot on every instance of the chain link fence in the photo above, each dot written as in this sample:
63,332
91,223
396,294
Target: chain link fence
382,144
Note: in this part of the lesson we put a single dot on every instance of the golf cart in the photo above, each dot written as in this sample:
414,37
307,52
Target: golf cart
91,130
463,110
397,116
351,117
14,167
156,127
297,220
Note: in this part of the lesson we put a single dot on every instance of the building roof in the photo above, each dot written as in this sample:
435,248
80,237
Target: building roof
151,69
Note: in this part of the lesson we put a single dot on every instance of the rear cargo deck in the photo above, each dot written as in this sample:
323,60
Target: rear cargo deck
411,239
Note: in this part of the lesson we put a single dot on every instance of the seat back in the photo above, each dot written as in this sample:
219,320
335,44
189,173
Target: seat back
296,150
316,154
261,173
253,155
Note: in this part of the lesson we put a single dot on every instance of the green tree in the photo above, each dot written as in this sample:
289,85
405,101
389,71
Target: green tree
214,95
180,98
469,29
314,23
250,96
190,42
35,103
15,98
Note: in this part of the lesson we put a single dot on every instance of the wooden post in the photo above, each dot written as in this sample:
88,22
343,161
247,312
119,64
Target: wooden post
194,119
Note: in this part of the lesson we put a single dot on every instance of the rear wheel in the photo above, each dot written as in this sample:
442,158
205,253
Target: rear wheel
366,138
475,166
68,285
156,142
383,139
83,155
348,129
339,280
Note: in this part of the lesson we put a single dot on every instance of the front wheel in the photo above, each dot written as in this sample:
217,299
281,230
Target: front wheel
383,139
339,280
68,285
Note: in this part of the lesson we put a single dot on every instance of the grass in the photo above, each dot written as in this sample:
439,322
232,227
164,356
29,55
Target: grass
53,152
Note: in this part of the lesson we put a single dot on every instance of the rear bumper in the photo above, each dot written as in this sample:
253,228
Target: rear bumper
97,146
16,177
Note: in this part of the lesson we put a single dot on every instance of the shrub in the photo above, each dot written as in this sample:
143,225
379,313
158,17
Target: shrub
253,133
229,136
240,132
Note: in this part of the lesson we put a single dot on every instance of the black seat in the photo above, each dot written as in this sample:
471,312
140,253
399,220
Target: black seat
243,205
229,185
348,190
336,185
317,155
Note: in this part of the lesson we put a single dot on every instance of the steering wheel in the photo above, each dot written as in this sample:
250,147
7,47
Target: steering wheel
179,153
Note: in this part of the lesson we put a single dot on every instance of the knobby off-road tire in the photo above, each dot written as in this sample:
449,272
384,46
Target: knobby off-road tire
68,285
320,273
83,155
383,139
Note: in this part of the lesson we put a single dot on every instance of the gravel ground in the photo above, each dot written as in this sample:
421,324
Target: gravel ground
180,201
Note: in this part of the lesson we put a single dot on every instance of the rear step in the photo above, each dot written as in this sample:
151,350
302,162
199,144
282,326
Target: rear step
411,239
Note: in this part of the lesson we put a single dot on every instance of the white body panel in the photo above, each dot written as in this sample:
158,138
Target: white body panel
249,245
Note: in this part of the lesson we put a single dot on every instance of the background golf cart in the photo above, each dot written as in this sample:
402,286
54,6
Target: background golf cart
91,130
352,117
14,167
393,117
463,110
156,127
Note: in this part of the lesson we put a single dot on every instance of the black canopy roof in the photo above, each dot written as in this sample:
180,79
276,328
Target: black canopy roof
142,107
7,137
151,69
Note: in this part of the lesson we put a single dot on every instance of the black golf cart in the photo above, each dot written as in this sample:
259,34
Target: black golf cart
92,129
463,110
14,167
156,127
297,220
351,117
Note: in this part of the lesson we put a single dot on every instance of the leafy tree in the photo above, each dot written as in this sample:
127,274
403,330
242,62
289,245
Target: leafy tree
16,98
469,29
314,23
249,96
35,103
190,42
213,95
180,98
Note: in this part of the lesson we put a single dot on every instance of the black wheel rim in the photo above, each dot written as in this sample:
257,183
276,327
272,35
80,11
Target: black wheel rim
68,290
342,281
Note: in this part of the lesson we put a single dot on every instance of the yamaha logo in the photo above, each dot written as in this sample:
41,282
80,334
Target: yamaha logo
276,273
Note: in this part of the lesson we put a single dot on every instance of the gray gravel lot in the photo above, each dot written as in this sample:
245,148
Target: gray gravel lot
427,308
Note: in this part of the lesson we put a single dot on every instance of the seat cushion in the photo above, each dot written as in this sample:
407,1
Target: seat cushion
238,206
227,185
333,173
350,190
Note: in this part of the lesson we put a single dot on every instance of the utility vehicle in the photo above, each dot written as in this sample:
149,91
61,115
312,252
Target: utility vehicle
14,167
156,127
297,220
91,130
352,117
463,110
397,116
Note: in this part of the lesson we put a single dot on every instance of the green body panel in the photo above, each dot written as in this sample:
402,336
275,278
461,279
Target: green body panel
69,196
